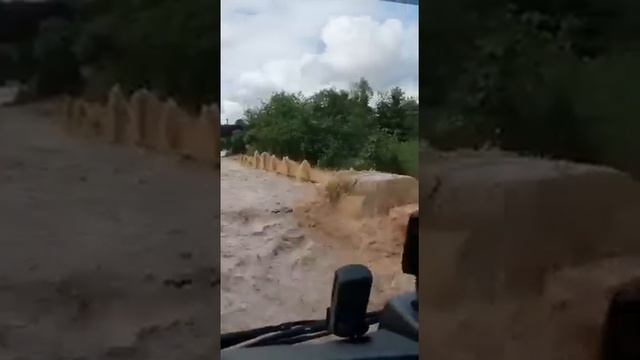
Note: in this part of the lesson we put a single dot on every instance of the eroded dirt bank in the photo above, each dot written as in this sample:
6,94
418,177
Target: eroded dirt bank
281,245
105,252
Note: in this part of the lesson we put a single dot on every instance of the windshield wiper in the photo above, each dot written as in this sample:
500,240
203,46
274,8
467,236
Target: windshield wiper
284,334
239,337
297,331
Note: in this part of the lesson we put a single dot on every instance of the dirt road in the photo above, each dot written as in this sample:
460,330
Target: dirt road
280,249
105,252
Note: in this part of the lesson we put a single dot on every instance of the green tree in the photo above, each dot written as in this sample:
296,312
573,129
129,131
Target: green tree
235,143
279,126
520,75
397,115
57,69
168,46
338,129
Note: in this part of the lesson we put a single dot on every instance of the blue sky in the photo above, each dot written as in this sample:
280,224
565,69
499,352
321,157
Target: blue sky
306,45
408,14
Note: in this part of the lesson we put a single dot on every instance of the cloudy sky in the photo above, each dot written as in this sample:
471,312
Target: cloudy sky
307,45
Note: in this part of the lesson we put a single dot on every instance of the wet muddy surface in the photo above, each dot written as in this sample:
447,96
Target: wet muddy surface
105,252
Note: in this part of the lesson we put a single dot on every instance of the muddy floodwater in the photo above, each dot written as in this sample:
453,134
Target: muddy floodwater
105,251
111,252
280,247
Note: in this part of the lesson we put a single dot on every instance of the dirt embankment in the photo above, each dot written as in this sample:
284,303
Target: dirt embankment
281,244
521,257
105,252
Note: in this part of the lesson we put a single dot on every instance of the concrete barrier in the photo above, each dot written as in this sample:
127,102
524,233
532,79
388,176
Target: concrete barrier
382,192
292,167
273,163
264,161
169,128
373,193
320,176
200,137
139,109
118,117
147,122
243,160
303,173
283,166
151,122
255,162
248,160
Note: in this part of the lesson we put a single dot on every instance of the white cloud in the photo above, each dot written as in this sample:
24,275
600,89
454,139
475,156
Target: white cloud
307,45
360,44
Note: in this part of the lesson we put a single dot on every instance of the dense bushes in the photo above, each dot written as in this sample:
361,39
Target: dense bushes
235,143
541,77
57,67
545,78
338,129
169,46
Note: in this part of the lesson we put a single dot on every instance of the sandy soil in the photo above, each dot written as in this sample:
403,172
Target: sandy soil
106,252
281,245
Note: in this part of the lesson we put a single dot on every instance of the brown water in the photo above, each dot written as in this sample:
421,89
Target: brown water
281,245
96,243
